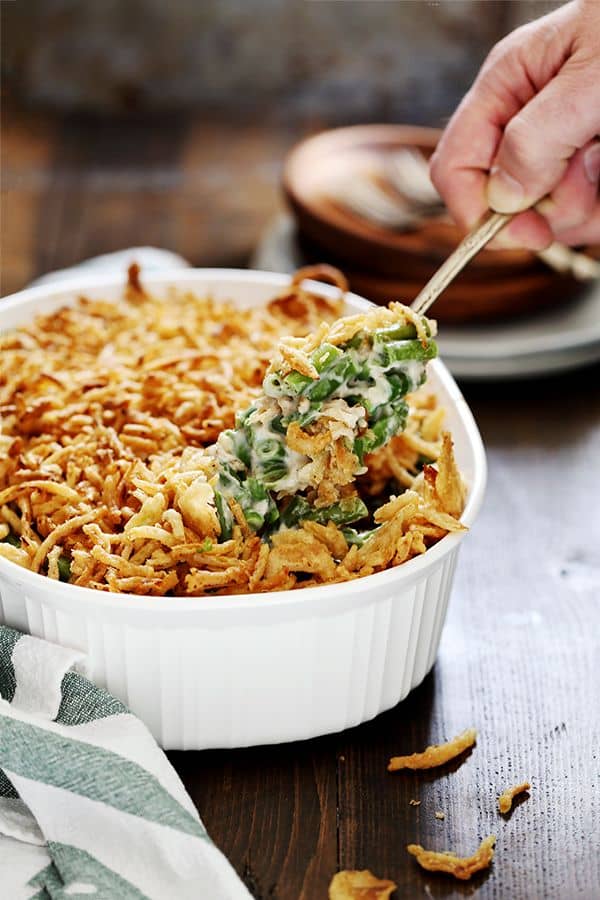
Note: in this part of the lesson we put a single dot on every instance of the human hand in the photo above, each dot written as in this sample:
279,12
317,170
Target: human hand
529,129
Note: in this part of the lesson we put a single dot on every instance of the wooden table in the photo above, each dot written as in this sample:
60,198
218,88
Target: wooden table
521,649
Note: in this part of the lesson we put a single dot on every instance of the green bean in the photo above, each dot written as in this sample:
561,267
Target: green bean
270,457
401,351
64,568
335,369
254,519
349,509
374,370
240,444
423,460
271,448
241,418
381,431
357,537
277,425
324,355
297,383
347,368
228,481
273,473
360,447
389,426
394,333
224,516
297,509
12,538
304,419
373,408
256,490
400,385
322,389
356,342
332,378
255,493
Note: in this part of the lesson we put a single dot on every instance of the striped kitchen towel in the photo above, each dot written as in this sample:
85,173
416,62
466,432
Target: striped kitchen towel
89,804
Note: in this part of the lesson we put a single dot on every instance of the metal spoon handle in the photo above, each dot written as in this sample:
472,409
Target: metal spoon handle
466,250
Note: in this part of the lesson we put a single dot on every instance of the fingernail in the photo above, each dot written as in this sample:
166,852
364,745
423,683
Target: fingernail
505,193
591,163
546,207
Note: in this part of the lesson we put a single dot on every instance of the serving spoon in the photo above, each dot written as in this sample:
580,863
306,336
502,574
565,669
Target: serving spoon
470,245
556,255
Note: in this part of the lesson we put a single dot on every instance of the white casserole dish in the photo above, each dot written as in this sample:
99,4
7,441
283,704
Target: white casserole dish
236,671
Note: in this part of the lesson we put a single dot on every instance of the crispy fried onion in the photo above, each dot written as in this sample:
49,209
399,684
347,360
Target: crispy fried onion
359,885
107,408
460,867
505,800
293,352
435,755
321,272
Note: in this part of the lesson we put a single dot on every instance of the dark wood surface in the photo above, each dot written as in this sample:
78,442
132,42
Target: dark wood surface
521,649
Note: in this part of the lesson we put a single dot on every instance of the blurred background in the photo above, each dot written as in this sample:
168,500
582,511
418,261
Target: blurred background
342,60
160,123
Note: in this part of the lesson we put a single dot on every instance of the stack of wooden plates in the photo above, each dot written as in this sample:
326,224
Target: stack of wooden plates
387,263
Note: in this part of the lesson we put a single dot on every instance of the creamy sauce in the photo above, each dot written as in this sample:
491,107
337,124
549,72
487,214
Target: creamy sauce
358,390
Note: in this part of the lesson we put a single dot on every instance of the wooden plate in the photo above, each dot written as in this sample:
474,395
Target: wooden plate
462,302
308,173
464,299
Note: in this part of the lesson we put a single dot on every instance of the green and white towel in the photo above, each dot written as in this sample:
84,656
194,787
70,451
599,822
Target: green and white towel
89,804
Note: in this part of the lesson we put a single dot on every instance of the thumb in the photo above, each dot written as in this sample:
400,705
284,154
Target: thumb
538,142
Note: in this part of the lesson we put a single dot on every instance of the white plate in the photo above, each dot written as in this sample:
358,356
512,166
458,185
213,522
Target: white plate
513,368
552,341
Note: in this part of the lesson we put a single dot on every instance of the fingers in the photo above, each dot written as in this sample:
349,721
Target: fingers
460,165
515,69
458,169
570,205
529,229
463,156
588,233
540,140
525,130
573,200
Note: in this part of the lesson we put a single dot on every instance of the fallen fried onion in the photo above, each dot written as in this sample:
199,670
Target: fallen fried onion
436,755
359,885
460,867
505,800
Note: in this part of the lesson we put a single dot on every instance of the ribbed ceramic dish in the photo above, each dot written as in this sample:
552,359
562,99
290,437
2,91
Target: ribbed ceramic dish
237,671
